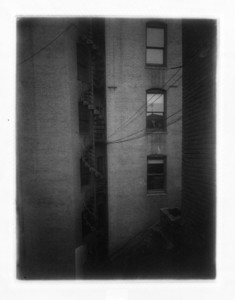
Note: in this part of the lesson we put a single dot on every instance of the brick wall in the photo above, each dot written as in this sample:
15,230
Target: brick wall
198,202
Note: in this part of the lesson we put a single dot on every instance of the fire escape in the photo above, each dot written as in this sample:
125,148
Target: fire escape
92,99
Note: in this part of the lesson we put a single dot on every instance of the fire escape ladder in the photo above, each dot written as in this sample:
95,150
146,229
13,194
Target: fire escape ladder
94,212
98,70
88,159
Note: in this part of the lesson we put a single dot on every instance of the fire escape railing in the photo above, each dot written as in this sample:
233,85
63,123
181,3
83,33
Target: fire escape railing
87,98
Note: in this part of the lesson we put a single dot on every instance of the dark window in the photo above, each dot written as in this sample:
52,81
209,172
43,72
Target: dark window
156,44
83,62
84,173
84,119
156,174
155,113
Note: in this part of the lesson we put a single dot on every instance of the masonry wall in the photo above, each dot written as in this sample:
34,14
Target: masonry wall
127,79
48,148
198,202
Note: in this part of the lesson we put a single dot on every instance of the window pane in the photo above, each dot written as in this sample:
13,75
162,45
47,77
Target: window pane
155,166
155,161
155,37
155,182
154,56
155,121
155,103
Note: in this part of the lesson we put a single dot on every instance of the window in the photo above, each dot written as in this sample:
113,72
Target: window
156,112
156,174
156,44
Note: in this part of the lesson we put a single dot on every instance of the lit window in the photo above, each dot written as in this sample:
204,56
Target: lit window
155,118
155,44
156,174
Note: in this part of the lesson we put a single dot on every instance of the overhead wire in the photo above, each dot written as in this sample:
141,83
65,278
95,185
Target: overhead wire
45,46
134,133
142,107
188,63
143,135
124,139
144,129
133,117
168,124
49,43
59,35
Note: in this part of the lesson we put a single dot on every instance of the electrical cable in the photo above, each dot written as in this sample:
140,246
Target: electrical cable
169,124
143,128
120,139
44,47
188,86
129,120
146,133
134,133
145,105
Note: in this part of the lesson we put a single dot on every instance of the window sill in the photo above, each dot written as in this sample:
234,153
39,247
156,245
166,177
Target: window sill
155,131
156,67
154,193
160,193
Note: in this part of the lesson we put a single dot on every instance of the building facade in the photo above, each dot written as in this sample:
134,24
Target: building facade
144,130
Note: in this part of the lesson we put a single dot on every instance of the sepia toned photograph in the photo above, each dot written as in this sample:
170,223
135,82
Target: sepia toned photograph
116,148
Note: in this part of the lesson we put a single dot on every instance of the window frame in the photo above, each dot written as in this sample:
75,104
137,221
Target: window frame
157,91
164,174
157,25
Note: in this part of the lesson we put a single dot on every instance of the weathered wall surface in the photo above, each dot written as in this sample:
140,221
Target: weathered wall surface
198,202
48,149
127,79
